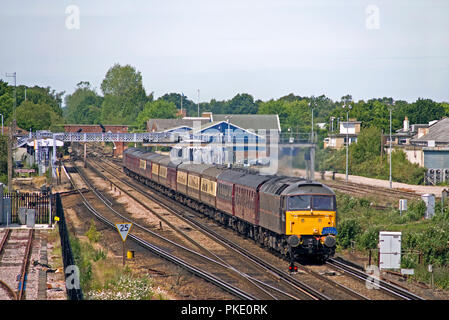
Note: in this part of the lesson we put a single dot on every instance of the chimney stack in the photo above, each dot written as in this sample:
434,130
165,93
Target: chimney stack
406,125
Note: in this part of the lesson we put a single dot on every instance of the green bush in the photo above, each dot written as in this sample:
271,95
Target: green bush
348,231
369,238
92,234
416,211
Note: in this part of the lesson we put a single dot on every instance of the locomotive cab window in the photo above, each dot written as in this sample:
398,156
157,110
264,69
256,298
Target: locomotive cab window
322,203
307,202
299,202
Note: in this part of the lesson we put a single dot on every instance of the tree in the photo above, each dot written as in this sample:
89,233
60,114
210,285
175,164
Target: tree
36,116
159,109
6,100
241,104
188,105
84,105
295,114
367,146
424,111
3,159
124,95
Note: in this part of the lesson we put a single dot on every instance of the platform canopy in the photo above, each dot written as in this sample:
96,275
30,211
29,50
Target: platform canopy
45,142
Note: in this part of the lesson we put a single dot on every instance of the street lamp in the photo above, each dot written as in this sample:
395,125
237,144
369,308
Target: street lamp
230,153
13,75
347,107
390,108
311,105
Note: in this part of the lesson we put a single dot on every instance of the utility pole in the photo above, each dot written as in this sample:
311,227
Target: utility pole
12,131
390,107
181,102
312,149
347,107
198,103
10,139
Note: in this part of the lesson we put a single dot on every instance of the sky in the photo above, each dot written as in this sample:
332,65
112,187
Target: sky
366,48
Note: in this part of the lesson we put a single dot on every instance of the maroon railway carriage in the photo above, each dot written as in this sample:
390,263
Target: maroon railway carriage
225,190
246,204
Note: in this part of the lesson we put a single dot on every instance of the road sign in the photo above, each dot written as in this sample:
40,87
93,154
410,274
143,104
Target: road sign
123,229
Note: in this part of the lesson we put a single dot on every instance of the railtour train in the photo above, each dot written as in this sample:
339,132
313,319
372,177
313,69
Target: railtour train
292,216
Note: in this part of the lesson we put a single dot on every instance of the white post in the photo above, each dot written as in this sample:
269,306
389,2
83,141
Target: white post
347,143
53,163
391,181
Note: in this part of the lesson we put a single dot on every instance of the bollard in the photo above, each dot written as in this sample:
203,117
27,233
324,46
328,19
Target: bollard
22,215
130,254
31,218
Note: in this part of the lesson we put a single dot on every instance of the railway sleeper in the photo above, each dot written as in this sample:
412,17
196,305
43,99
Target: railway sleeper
276,243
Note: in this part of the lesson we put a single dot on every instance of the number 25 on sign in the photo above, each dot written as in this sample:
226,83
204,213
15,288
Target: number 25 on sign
123,229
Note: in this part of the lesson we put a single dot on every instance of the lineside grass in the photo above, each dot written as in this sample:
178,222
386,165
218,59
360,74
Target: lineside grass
103,276
424,241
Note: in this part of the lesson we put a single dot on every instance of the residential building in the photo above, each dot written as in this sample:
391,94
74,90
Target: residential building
219,138
348,130
426,145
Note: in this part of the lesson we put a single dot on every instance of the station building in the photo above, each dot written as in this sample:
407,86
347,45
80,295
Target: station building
221,138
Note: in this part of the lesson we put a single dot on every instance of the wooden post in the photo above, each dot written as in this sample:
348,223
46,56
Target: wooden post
124,253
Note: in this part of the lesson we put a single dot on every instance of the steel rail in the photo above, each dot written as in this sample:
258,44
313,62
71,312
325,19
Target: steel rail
334,283
4,239
167,256
10,291
379,283
23,272
314,294
223,263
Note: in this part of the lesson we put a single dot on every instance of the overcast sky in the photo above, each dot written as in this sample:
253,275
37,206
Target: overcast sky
268,49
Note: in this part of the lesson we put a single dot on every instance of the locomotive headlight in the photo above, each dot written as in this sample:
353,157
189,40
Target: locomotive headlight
293,241
330,241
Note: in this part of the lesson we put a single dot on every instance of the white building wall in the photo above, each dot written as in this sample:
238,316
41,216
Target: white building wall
347,128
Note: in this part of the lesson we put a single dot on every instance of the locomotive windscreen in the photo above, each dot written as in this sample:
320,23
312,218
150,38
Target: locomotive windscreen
307,202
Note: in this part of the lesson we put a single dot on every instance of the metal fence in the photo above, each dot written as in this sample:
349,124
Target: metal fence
42,203
73,289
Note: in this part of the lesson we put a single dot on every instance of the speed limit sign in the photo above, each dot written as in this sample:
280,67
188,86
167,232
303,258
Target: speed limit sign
123,229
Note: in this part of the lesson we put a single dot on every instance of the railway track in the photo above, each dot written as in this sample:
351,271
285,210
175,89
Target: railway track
325,282
250,260
15,252
387,288
375,282
360,190
264,288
